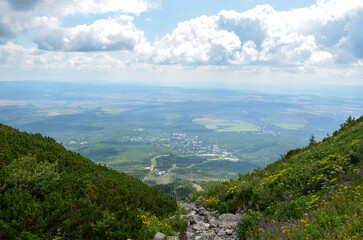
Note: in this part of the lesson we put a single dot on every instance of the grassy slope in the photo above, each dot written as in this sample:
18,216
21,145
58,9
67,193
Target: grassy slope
47,191
311,193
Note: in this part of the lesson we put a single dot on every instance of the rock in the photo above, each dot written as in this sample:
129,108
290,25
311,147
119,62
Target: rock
208,216
228,219
191,219
207,236
189,236
191,213
172,238
234,226
159,236
197,228
201,211
213,222
199,218
229,232
205,225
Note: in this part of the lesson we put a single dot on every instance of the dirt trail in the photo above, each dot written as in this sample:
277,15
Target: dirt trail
153,161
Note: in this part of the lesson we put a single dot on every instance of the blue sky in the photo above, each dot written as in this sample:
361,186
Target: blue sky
163,20
201,43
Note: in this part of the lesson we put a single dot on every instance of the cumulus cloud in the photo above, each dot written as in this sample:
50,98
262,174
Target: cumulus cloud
20,16
13,23
14,56
71,7
118,33
196,41
326,32
22,5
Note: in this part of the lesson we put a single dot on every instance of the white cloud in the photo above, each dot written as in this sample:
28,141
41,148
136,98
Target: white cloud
327,31
321,58
20,16
71,7
13,56
13,23
118,33
321,41
248,54
196,41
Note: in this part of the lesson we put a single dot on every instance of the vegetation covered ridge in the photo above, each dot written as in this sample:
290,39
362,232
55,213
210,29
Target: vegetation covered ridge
48,192
310,193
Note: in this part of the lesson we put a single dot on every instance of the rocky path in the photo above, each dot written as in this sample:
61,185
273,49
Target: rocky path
206,225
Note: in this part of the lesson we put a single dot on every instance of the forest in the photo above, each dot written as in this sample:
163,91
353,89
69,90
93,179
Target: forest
48,192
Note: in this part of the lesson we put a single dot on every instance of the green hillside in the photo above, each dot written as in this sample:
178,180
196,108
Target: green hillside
311,193
47,192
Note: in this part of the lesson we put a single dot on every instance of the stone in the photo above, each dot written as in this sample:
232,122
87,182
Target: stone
189,236
159,236
191,219
228,219
234,226
197,228
172,238
207,236
229,232
213,223
201,211
205,225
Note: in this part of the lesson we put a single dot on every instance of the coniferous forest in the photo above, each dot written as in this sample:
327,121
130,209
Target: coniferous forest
48,192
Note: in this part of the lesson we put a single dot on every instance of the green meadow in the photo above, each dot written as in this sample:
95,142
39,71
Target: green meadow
239,126
290,126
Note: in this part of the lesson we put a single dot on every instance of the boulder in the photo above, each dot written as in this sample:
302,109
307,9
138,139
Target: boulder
172,238
159,236
189,236
229,232
205,225
197,228
201,211
207,236
228,219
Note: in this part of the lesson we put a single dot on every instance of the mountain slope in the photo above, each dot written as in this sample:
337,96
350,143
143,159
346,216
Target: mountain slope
47,192
311,193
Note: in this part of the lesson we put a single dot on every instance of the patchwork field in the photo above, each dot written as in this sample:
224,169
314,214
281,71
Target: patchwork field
226,126
290,126
192,135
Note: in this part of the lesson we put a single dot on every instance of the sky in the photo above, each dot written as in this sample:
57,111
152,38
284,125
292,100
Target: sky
191,43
